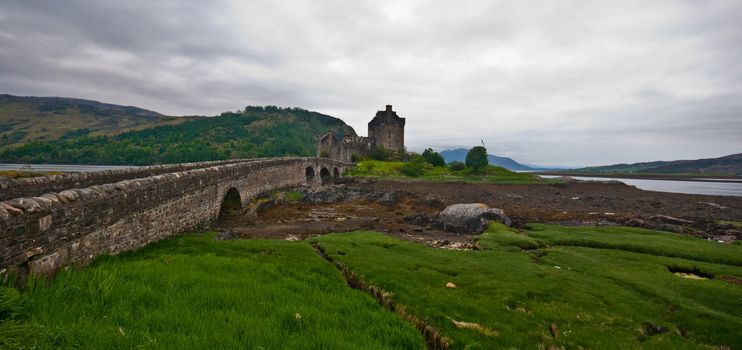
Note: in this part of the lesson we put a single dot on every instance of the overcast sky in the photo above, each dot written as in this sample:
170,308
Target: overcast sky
546,82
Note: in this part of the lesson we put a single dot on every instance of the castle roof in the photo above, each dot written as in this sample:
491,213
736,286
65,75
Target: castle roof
386,116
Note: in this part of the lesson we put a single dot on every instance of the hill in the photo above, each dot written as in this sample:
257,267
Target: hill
459,154
253,132
727,165
28,119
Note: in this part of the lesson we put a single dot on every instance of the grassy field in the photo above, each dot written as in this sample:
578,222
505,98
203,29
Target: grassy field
195,292
572,288
737,224
548,287
493,174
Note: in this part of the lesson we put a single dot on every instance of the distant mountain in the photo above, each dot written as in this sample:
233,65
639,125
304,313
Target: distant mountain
27,119
459,154
728,165
99,133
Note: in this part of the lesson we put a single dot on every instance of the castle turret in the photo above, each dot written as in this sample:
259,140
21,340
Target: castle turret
387,129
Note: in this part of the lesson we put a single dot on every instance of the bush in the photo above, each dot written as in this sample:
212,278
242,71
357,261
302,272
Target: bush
476,159
456,166
380,153
433,157
413,169
355,158
324,154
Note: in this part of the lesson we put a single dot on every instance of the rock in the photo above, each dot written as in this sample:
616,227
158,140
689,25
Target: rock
472,218
332,194
477,327
670,220
419,219
224,236
450,285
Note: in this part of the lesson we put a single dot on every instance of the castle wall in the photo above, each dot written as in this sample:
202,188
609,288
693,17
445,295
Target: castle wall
41,234
387,129
343,150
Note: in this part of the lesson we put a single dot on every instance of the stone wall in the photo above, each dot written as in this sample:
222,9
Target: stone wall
41,234
343,149
34,186
387,129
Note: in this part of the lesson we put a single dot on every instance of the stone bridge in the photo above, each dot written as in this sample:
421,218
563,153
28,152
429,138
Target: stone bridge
55,221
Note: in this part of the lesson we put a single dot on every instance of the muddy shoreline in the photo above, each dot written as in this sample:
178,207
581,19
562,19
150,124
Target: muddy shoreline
406,209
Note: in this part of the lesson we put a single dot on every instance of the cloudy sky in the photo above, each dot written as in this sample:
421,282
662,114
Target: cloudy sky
546,82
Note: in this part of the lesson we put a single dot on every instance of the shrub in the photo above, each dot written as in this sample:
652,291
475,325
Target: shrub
456,166
413,169
433,157
355,158
379,153
324,154
476,159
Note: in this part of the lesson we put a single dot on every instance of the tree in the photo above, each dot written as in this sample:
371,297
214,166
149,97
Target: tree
380,153
433,157
476,158
456,166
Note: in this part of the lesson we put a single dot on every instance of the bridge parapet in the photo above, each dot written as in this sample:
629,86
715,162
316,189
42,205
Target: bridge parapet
42,233
34,186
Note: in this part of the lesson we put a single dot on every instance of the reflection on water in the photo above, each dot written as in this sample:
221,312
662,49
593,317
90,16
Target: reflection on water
692,187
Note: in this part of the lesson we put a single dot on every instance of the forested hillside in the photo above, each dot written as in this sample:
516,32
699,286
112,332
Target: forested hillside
27,119
253,132
728,165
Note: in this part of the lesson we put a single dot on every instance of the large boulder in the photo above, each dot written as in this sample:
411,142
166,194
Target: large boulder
471,218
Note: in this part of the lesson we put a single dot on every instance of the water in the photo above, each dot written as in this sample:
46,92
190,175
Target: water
61,167
712,187
692,187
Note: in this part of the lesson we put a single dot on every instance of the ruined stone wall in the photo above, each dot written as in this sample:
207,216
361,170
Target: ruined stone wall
42,234
34,186
343,150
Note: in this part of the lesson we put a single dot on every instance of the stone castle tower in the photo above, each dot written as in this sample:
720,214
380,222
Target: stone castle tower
385,129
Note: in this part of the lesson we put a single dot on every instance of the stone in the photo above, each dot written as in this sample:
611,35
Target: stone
470,218
113,211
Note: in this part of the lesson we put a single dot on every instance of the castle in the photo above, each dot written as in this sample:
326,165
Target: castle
386,130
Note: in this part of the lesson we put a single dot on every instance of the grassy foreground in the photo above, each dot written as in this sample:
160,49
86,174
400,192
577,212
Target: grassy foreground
195,292
492,174
571,288
548,287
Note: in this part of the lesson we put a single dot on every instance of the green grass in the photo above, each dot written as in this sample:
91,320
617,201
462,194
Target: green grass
600,295
17,174
195,292
600,288
626,239
293,196
492,174
736,224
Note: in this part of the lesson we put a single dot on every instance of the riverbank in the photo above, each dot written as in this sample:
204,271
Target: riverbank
405,209
666,177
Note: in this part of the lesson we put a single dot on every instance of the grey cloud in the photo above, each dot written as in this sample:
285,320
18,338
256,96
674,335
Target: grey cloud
543,82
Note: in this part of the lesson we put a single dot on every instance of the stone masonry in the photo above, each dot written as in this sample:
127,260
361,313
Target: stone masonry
41,233
386,129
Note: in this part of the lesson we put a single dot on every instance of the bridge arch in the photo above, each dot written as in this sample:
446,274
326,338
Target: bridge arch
324,175
231,204
310,175
336,173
